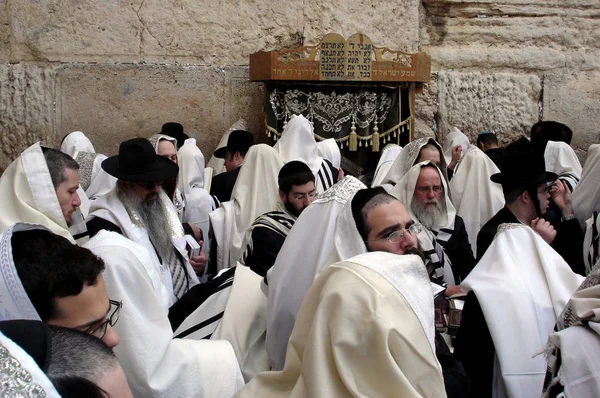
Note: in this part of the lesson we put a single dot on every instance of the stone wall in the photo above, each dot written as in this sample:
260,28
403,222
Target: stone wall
120,69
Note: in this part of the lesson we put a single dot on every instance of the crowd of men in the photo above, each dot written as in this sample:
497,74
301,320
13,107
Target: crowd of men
462,271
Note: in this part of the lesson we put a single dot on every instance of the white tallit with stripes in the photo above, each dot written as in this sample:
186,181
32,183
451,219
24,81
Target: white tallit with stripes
586,197
561,159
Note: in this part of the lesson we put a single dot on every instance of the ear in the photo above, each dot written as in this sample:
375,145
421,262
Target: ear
525,197
237,156
282,196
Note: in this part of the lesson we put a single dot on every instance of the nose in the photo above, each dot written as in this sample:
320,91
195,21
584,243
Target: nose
156,188
306,201
76,200
409,241
111,338
430,194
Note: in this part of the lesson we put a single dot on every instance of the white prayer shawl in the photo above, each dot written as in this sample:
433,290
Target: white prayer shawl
157,364
365,329
521,280
591,242
303,254
455,137
586,197
388,156
198,202
330,150
476,198
178,199
218,164
561,159
76,142
20,374
256,191
110,208
93,179
15,303
297,142
28,195
407,159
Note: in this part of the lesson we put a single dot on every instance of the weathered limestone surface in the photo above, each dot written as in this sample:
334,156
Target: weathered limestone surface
426,107
113,103
473,102
575,101
26,109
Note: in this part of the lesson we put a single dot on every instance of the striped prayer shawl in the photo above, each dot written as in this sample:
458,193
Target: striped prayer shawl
279,222
325,176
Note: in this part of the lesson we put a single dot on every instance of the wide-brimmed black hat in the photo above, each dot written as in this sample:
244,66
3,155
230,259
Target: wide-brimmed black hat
138,162
175,130
238,141
523,170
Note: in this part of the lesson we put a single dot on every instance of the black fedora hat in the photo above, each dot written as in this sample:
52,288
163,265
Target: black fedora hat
138,162
175,130
238,141
523,170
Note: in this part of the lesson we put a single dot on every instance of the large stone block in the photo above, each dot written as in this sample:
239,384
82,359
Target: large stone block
426,107
574,100
26,109
5,32
473,102
114,103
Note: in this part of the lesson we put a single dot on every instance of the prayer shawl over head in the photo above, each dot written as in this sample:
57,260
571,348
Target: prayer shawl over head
20,374
404,191
255,192
476,198
520,279
561,159
110,208
455,137
92,178
300,259
76,142
572,352
586,197
178,199
330,150
156,363
408,158
365,328
388,156
218,164
27,195
198,202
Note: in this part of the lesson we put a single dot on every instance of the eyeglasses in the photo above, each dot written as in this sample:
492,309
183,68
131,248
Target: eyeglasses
302,196
149,185
100,330
435,189
398,235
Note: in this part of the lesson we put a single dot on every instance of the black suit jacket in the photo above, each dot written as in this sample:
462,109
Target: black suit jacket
222,184
458,249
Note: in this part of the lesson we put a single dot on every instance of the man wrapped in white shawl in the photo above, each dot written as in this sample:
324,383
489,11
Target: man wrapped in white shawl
561,159
388,157
455,146
586,196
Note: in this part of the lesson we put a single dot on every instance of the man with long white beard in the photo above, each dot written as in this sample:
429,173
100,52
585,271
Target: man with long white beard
140,210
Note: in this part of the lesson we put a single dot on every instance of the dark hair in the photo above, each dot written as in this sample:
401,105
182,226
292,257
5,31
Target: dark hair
77,361
51,267
57,162
294,173
487,139
542,132
364,201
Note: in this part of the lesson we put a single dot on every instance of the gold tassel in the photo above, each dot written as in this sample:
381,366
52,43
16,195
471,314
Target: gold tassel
360,143
274,137
268,133
375,139
353,139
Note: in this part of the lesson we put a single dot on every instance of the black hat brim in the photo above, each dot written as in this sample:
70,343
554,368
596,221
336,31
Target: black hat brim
542,178
221,153
162,170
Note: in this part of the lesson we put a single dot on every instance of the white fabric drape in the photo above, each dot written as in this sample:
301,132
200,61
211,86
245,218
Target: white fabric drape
297,142
76,142
255,192
329,150
561,159
476,198
586,197
521,278
365,329
388,156
218,164
455,137
27,195
156,364
300,259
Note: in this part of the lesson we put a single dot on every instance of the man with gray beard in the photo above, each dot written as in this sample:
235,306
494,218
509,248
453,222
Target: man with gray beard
139,209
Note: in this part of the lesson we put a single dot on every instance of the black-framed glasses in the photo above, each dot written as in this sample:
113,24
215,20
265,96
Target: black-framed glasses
100,330
398,236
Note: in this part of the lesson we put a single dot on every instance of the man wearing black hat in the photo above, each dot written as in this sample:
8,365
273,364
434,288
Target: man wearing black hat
174,130
139,209
527,188
237,146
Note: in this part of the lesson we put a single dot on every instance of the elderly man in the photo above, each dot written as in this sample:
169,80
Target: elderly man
527,188
425,192
238,144
56,282
268,232
40,187
141,211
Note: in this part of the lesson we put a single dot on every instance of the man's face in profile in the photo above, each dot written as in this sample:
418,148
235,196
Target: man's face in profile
388,229
66,193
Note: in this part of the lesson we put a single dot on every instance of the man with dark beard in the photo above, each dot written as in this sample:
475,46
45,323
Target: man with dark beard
268,232
139,209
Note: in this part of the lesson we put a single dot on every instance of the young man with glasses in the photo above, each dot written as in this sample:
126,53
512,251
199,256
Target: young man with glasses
266,235
62,282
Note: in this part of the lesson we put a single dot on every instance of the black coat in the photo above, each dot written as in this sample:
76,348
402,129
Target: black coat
222,184
459,251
